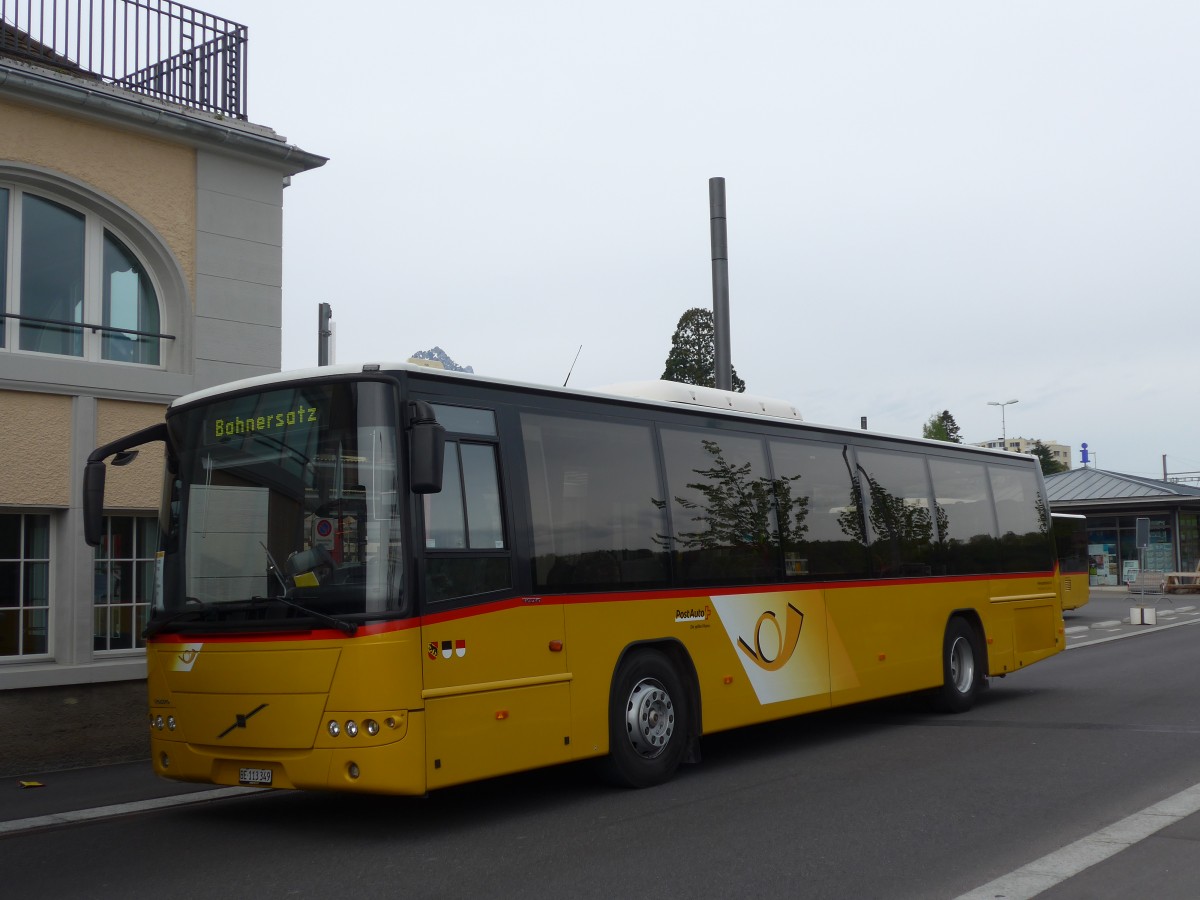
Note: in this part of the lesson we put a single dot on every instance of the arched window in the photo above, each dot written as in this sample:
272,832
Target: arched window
69,284
131,304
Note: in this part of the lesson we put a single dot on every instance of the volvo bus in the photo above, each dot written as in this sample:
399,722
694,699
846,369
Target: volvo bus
390,578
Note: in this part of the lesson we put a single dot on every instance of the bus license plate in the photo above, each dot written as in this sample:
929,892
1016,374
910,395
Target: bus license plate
254,776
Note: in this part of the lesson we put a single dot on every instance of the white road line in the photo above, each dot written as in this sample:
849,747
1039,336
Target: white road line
1110,623
120,809
1055,868
1141,629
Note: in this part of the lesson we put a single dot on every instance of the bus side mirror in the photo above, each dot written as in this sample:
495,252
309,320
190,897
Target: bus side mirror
93,502
94,472
427,450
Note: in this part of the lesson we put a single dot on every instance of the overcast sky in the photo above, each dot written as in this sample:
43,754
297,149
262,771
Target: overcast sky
931,205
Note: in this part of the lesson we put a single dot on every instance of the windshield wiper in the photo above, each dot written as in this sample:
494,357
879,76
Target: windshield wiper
155,626
347,628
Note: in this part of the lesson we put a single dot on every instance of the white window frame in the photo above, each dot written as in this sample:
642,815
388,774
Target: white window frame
95,226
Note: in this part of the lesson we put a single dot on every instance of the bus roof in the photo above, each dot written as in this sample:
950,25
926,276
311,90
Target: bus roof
663,394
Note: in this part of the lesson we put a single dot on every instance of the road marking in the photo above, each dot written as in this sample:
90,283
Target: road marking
1131,632
120,809
1110,623
1055,868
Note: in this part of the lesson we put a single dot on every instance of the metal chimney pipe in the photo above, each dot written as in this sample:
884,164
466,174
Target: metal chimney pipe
723,367
324,311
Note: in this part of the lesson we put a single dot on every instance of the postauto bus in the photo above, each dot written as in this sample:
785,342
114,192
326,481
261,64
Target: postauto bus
391,578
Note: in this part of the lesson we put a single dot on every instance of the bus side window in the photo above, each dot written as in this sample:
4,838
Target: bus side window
818,520
723,519
1025,545
968,543
465,544
899,512
598,520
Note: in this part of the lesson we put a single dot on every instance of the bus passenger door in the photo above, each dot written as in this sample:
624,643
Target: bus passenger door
496,685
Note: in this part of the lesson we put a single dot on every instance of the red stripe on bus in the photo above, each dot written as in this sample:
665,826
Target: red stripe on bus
529,600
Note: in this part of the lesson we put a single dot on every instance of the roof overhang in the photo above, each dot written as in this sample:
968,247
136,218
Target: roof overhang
103,102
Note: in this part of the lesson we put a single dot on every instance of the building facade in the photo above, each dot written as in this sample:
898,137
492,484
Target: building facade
140,259
1113,503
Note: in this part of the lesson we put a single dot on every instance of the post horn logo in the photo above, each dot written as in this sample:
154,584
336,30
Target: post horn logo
787,639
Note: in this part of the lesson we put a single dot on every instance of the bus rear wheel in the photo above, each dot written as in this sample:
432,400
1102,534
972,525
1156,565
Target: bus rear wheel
648,723
962,675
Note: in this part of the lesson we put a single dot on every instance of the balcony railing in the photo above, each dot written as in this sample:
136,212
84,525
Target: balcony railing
154,47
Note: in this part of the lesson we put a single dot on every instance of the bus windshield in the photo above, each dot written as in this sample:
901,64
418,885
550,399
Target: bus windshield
283,505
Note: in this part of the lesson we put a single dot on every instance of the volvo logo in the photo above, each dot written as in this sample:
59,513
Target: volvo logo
241,720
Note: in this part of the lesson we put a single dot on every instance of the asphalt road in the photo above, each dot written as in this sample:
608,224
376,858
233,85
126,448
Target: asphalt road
882,800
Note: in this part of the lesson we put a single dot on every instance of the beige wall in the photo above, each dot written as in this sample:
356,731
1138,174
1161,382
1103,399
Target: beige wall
139,484
154,178
35,445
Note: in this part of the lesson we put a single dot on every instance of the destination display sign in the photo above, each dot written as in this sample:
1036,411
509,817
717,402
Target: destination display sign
263,418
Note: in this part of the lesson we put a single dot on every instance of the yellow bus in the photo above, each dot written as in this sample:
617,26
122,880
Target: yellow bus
1074,563
391,578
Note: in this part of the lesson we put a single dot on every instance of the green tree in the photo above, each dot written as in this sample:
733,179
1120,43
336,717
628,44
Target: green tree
1050,465
942,427
692,359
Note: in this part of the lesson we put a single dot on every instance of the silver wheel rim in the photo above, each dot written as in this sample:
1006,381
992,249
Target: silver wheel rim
962,665
649,718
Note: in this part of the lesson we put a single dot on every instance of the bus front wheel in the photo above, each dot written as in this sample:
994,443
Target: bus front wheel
648,721
962,675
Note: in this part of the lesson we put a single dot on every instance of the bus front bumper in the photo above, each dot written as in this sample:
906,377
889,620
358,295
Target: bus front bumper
394,767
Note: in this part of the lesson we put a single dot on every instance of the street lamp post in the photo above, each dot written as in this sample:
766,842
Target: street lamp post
1003,427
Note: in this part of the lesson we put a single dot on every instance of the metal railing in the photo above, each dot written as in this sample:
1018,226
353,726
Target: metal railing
63,324
155,47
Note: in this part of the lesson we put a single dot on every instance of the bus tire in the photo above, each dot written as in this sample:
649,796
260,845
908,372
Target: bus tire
648,721
962,675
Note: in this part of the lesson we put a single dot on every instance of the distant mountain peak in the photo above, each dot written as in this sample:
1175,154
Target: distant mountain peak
437,354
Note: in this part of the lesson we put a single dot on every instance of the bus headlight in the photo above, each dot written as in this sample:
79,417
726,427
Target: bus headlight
334,728
352,728
372,727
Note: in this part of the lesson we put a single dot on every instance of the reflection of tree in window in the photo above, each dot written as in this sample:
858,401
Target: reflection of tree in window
739,534
898,512
1024,520
736,509
967,543
817,544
